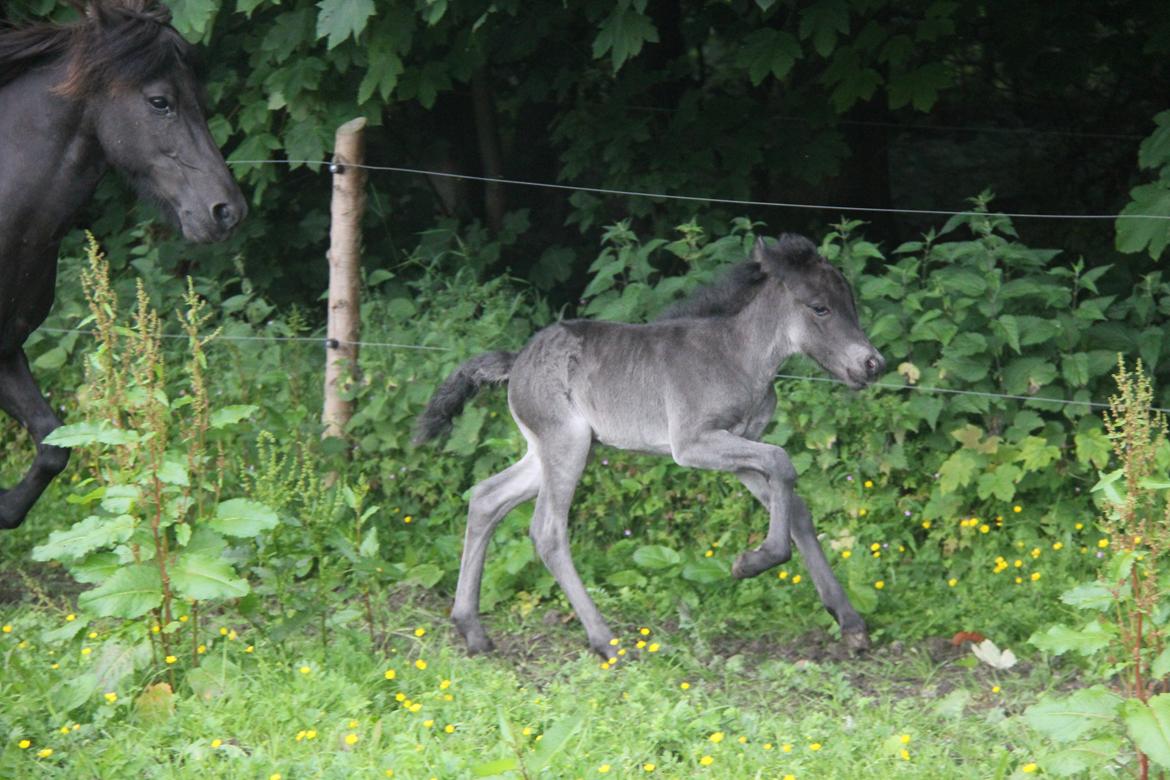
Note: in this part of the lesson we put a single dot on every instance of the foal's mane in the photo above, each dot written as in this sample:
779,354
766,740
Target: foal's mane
116,42
738,286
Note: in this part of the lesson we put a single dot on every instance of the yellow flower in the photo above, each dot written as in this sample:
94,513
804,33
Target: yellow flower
717,737
641,643
232,635
880,584
652,647
603,768
201,649
767,746
1057,545
905,754
615,642
7,628
926,524
449,728
416,707
390,674
644,631
647,767
1102,543
814,747
526,731
408,519
420,631
782,574
1079,526
905,739
686,686
54,665
24,744
155,628
64,729
1029,768
1017,509
706,761
351,739
444,685
846,554
448,697
182,618
353,724
44,752
952,582
796,580
249,648
789,777
995,689
70,617
420,664
400,696
862,512
274,776
216,743
709,553
300,735
868,483
86,650
311,734
1035,576
111,697
985,528
742,740
786,747
389,773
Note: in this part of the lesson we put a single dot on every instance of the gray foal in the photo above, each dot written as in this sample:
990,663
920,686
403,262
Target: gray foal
696,385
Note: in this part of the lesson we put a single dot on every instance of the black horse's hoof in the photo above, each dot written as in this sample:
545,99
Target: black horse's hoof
480,645
856,641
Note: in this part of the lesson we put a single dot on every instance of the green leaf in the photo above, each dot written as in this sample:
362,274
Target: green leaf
1060,639
656,557
243,517
173,472
425,574
131,592
1090,595
623,32
1149,727
464,436
822,21
83,433
1000,483
495,768
73,693
706,571
1070,718
340,19
369,546
92,533
201,577
1092,447
627,578
920,87
1083,758
1136,233
1161,666
554,740
191,17
95,568
768,51
959,469
230,415
51,360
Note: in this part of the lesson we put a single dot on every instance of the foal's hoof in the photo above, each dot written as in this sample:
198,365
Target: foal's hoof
480,645
856,641
752,563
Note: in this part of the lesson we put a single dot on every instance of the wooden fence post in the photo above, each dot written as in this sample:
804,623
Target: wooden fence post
345,237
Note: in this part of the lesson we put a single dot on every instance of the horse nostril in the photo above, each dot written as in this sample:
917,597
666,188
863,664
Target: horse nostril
224,215
873,365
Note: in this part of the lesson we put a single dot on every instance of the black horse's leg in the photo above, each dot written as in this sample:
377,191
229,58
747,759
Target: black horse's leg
20,397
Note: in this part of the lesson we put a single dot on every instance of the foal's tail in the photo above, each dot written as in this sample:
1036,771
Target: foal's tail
462,384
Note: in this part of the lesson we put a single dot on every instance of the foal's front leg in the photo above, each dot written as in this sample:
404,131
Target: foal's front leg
20,397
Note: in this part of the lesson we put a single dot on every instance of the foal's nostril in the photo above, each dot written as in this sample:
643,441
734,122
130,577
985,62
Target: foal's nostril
874,365
224,215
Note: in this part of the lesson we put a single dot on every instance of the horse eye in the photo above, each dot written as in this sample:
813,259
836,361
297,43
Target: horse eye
160,104
820,311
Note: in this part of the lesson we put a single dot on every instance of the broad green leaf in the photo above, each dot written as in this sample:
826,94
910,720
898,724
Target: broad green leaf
204,541
1027,375
192,17
73,693
1069,718
1060,639
767,51
496,768
115,662
85,433
369,545
92,533
130,592
953,704
1084,759
340,19
173,472
1148,726
656,557
1092,447
425,574
627,578
1090,595
1136,233
1161,666
120,499
201,577
51,360
1000,483
242,517
623,32
920,87
230,415
959,469
64,632
706,571
464,436
555,740
95,567
822,21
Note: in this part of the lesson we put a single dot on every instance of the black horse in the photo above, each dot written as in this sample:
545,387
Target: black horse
115,89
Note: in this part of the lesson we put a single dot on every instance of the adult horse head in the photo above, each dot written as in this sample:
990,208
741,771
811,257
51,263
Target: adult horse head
116,89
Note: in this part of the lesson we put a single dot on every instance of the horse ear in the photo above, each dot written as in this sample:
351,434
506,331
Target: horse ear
767,257
796,251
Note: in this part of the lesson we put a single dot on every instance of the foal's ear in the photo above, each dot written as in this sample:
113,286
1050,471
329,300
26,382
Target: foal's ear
790,252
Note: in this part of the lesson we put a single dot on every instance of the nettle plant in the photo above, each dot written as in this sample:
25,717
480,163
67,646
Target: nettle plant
1124,639
154,544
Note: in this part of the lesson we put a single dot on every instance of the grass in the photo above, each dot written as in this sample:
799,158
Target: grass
694,704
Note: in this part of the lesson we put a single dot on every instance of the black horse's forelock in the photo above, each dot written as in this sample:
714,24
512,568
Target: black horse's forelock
116,44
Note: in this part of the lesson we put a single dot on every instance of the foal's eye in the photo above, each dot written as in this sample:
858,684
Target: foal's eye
820,311
160,104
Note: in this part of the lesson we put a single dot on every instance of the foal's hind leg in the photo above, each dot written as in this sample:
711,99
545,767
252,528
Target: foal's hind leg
491,500
563,455
771,552
20,397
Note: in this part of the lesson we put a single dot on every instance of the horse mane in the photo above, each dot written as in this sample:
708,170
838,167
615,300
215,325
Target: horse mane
120,43
734,289
739,284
